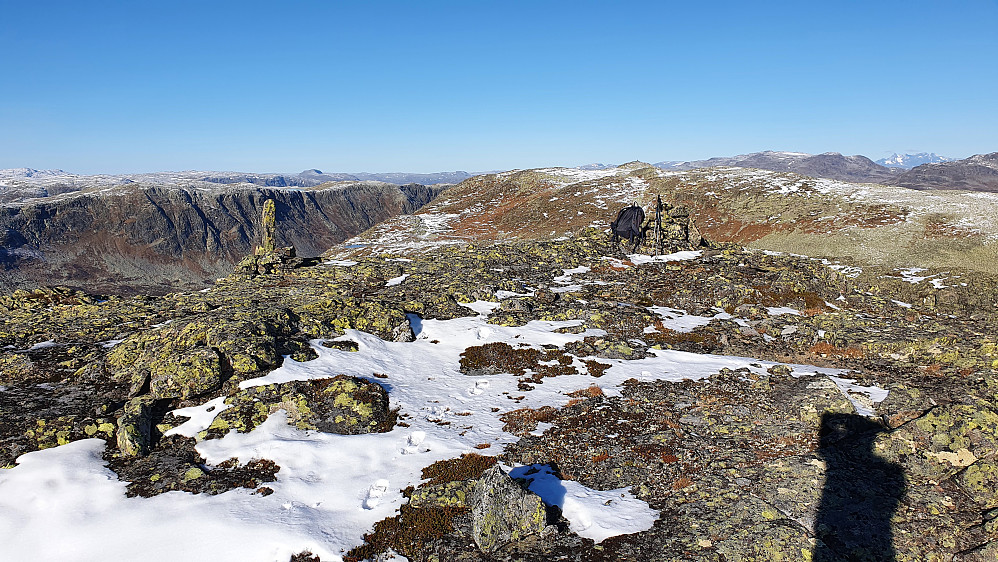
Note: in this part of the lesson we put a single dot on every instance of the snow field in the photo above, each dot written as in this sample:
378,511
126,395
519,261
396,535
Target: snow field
65,504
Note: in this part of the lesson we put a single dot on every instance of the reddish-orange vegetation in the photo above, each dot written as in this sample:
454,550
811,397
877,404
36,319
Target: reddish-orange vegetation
600,457
655,451
588,392
524,420
940,229
584,394
682,483
595,368
807,300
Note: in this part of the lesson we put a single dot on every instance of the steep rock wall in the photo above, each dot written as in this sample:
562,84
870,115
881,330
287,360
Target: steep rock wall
156,239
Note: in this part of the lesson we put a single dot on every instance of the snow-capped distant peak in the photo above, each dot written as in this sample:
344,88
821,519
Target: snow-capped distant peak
909,161
12,173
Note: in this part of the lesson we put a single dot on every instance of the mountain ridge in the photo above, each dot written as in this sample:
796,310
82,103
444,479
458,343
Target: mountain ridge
977,173
909,161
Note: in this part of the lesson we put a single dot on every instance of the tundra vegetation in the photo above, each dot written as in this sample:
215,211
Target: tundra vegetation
746,464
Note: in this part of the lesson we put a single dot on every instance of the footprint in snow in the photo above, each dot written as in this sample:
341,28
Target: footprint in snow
479,387
413,442
375,493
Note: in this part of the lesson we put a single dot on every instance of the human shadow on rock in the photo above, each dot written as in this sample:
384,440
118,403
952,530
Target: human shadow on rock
860,496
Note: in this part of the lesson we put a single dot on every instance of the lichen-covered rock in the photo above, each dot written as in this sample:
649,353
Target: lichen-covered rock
326,318
174,465
341,404
504,512
15,367
980,481
194,373
942,442
134,433
984,553
447,494
194,357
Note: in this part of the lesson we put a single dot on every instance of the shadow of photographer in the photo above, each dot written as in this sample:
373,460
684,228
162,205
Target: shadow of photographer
860,495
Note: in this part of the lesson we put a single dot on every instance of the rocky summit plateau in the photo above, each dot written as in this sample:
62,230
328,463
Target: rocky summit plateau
787,368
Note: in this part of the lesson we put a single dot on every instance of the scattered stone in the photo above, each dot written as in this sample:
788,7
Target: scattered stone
341,345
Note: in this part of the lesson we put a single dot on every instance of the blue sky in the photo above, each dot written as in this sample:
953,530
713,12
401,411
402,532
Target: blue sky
112,87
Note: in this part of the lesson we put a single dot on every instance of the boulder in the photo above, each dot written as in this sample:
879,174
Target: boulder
503,511
341,404
134,434
195,372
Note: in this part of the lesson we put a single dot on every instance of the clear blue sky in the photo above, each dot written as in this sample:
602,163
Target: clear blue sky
422,86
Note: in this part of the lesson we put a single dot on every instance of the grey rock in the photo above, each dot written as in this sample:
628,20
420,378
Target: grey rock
134,434
503,512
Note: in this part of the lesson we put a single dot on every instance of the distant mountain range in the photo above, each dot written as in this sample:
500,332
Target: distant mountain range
830,165
909,161
977,173
22,183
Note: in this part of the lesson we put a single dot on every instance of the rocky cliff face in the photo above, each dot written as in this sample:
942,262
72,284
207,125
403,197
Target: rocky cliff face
154,239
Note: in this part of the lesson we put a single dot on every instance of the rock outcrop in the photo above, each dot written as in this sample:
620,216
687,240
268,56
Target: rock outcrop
342,404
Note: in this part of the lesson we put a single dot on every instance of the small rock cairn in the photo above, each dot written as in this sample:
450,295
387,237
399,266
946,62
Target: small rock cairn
267,258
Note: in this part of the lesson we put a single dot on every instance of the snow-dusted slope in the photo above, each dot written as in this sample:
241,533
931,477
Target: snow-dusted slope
783,211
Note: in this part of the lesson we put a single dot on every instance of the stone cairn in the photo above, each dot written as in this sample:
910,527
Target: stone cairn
267,258
671,229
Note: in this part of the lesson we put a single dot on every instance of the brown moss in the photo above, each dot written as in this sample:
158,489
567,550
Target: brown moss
407,533
498,357
806,300
467,466
655,452
683,482
697,341
595,368
523,421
